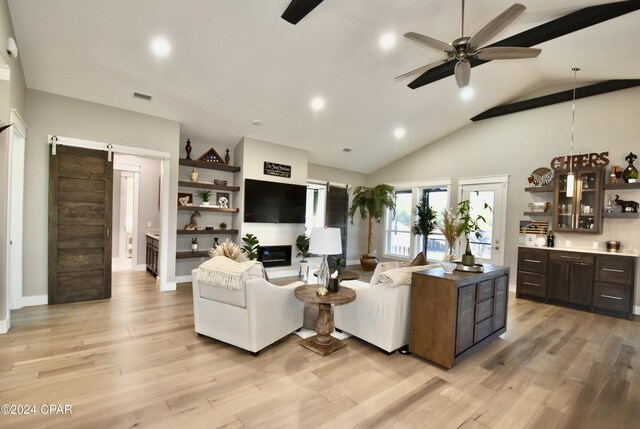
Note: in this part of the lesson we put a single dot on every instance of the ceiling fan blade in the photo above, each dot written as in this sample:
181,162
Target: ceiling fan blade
298,9
506,53
428,41
498,24
421,69
463,73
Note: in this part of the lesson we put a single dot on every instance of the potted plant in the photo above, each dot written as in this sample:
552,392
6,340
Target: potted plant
449,226
204,194
194,244
302,243
250,246
223,225
469,225
371,204
340,263
426,222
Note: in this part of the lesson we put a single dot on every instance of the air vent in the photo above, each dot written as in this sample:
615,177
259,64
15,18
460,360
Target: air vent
142,96
347,149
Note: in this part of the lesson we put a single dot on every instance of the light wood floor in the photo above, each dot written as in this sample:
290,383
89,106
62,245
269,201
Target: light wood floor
135,361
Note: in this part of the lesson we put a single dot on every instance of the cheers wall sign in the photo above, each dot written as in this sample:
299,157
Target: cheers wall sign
583,160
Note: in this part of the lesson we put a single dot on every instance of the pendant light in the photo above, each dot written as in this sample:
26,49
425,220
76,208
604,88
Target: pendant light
570,176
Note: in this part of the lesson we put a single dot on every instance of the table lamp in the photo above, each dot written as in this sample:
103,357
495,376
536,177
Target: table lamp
325,241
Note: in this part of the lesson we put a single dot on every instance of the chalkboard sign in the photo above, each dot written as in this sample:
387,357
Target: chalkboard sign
280,170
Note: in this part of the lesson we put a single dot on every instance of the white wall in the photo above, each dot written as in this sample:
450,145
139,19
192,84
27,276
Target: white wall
517,144
53,114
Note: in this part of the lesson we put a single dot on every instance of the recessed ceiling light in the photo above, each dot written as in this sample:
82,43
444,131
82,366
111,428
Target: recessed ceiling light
467,93
387,41
399,132
317,103
257,122
347,149
160,47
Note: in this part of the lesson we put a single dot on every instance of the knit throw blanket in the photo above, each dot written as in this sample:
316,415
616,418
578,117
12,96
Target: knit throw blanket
223,272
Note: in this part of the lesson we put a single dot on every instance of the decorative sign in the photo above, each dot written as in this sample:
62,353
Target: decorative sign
280,170
584,160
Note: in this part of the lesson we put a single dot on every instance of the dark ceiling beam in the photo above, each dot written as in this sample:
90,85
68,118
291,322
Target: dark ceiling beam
575,21
558,97
298,9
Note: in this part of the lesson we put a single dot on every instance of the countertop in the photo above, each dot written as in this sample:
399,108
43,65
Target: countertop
585,250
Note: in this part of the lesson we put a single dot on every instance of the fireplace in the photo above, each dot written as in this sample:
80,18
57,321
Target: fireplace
275,256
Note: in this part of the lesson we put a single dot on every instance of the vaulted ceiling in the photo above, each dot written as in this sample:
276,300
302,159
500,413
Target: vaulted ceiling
235,62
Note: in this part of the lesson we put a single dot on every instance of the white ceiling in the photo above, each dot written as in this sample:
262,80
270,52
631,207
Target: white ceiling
236,61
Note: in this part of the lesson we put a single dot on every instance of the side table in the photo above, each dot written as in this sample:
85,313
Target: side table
323,343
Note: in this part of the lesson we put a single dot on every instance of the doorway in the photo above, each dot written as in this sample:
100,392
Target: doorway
126,190
489,247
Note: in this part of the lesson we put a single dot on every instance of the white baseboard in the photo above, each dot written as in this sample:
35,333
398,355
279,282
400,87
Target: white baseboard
5,324
30,301
183,279
140,267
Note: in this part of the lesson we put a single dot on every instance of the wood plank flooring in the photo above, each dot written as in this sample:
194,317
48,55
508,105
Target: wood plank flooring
135,361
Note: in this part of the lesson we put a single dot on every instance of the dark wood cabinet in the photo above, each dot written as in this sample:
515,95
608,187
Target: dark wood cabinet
152,255
601,283
454,314
580,211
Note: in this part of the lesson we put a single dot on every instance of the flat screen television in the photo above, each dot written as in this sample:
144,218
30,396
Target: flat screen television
274,202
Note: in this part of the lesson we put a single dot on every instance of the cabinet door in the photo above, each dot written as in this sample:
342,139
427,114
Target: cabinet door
558,277
465,319
500,302
581,285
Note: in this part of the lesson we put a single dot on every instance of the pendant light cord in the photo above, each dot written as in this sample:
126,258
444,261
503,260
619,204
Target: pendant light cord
573,117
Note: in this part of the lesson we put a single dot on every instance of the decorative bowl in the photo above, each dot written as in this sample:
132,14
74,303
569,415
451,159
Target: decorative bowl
613,246
448,267
539,207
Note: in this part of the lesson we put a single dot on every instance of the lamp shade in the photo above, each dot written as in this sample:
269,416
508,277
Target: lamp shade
325,241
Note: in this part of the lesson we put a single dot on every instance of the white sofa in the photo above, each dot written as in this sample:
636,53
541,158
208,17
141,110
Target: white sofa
380,313
252,317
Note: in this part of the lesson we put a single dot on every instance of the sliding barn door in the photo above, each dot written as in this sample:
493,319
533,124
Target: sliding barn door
80,194
336,214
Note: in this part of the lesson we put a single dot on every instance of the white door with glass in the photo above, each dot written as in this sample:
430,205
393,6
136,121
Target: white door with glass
489,247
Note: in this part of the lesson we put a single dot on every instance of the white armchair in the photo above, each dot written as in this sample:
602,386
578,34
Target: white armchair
252,317
380,313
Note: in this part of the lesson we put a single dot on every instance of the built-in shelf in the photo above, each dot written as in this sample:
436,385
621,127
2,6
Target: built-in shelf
539,189
208,209
200,185
192,254
209,165
621,215
621,186
208,231
547,213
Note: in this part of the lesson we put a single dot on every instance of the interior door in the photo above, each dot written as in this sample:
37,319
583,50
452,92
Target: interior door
489,247
80,197
336,214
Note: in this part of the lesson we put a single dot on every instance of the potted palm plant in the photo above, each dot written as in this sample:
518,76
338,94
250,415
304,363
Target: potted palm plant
469,225
426,222
194,244
204,195
371,204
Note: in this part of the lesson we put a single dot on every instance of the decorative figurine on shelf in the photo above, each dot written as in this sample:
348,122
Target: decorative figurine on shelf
193,225
188,149
615,174
194,175
630,174
215,242
223,202
227,157
627,206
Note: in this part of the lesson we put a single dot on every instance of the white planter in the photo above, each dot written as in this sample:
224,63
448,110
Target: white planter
304,267
205,203
194,247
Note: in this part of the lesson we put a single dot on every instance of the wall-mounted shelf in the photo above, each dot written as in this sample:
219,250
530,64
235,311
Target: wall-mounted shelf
621,186
621,215
200,185
192,254
547,213
539,189
207,231
209,165
209,209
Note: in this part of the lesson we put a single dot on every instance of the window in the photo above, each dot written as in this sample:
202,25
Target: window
438,199
398,234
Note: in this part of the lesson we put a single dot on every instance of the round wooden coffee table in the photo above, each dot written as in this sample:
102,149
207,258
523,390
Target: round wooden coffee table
323,343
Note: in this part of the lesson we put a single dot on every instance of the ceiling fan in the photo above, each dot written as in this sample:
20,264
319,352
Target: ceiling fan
464,48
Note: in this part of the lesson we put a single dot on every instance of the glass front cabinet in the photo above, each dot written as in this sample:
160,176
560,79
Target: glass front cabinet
581,212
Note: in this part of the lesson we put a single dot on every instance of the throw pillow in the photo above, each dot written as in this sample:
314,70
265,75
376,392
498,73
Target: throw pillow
418,260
